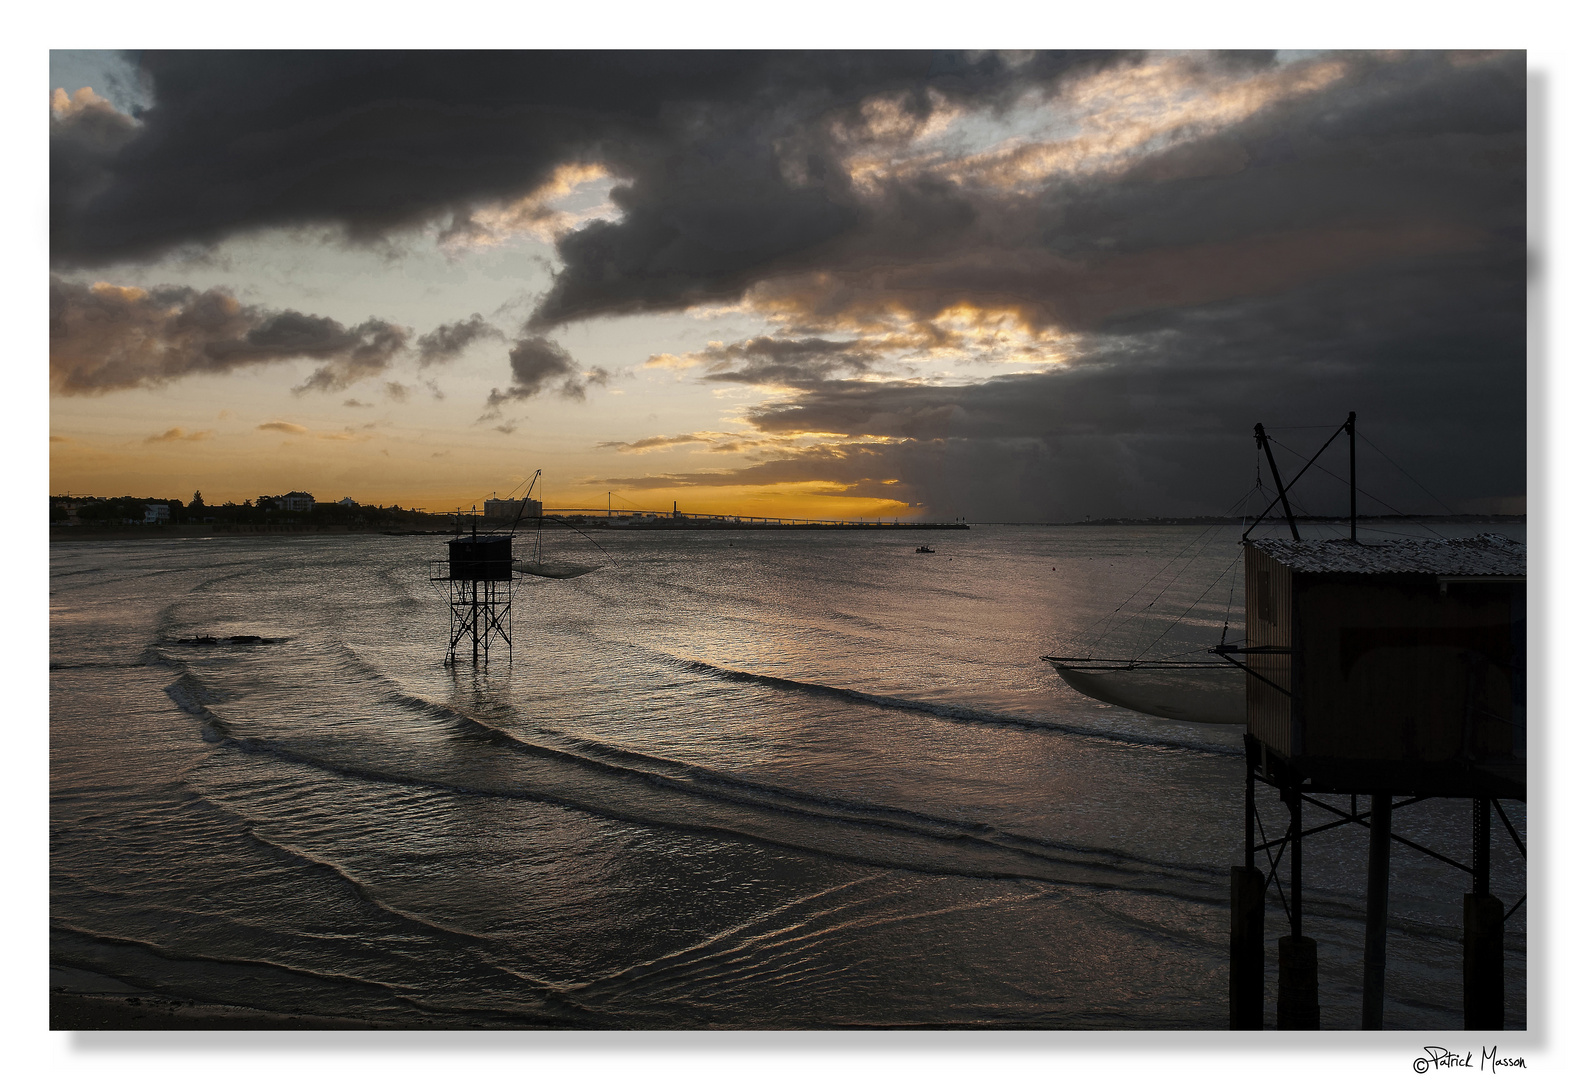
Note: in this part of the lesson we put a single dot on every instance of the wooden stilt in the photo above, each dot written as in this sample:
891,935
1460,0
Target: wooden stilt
1247,949
1482,937
1483,962
1378,912
1297,1007
1297,1002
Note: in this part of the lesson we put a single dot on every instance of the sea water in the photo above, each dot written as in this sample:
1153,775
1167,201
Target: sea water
731,779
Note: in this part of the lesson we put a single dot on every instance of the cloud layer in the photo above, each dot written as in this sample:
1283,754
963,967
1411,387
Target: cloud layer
104,337
370,141
1047,284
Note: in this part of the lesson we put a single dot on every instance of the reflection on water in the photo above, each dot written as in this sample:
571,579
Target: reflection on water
734,779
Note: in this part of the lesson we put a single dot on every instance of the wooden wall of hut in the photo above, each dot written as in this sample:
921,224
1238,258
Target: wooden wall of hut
1270,623
1396,669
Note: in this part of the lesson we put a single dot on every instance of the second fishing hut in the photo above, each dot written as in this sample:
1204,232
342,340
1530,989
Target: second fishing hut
1392,670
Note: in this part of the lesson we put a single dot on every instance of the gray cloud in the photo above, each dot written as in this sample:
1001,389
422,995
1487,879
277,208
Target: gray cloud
176,434
537,364
656,442
443,344
105,338
777,361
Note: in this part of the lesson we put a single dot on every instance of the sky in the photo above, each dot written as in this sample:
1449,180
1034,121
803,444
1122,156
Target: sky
1006,286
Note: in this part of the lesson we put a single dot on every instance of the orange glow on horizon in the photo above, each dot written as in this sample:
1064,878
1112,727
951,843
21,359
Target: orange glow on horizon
163,469
809,500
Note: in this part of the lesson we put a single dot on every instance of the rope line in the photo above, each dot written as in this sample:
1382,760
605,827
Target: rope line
1360,489
1406,474
1198,545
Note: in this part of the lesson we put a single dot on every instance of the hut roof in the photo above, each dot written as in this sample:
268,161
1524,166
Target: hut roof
1488,555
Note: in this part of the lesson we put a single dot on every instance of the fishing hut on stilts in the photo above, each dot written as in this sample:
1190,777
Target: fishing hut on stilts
480,575
1378,676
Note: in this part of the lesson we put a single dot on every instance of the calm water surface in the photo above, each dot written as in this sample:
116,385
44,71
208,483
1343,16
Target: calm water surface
731,779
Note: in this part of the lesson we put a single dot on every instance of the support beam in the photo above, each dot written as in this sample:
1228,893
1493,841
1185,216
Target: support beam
1293,800
1280,490
1378,912
1351,441
1480,847
1250,747
1246,990
1297,1002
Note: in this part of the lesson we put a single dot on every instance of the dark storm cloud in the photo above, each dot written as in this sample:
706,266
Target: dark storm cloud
758,189
370,142
86,133
106,338
733,168
1391,160
449,340
1360,247
1158,417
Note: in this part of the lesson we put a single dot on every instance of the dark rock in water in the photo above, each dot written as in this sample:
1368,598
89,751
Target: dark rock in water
552,569
238,639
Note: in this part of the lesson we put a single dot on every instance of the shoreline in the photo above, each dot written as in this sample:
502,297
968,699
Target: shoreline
59,534
65,533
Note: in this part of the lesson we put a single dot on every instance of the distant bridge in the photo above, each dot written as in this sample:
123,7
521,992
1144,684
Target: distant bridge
685,520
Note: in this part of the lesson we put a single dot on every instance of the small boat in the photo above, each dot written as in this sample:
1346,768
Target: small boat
923,550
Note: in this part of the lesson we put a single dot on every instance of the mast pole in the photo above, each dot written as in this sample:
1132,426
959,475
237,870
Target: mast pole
1351,441
1280,490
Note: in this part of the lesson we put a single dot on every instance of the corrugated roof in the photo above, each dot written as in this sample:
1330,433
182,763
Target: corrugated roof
1488,555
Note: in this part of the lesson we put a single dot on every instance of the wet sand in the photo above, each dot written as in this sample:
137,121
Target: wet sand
105,1012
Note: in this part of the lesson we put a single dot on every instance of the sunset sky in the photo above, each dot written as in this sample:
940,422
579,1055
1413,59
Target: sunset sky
1004,285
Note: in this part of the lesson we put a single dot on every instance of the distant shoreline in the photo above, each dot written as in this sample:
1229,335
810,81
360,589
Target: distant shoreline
63,533
1362,519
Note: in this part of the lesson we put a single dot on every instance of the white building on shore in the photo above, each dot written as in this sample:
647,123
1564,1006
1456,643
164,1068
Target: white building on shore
509,509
